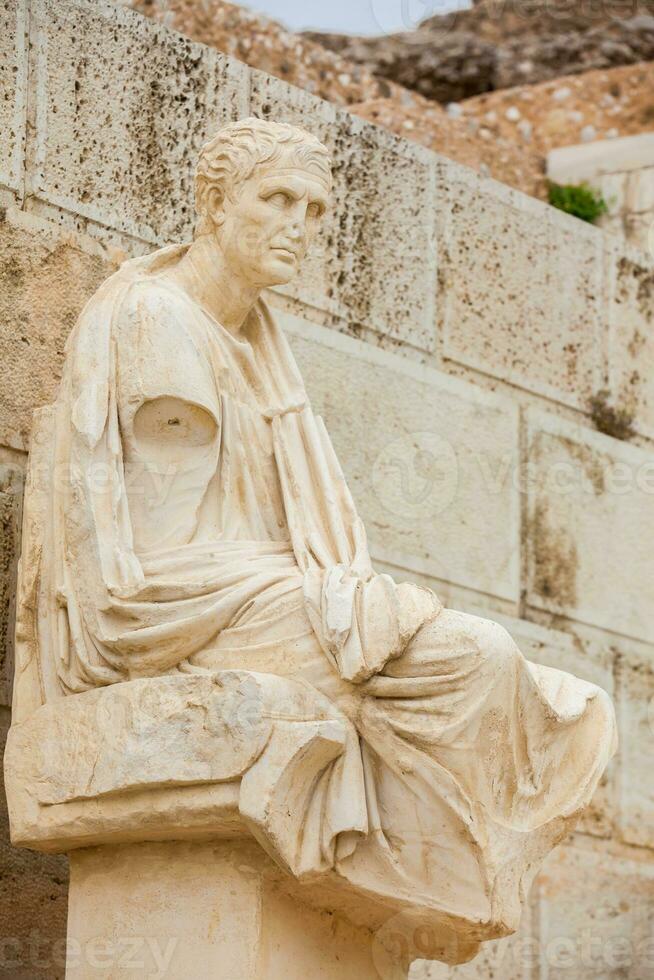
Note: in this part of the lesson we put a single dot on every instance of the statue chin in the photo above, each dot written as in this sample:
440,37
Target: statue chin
280,272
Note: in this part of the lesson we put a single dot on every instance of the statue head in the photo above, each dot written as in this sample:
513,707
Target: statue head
261,191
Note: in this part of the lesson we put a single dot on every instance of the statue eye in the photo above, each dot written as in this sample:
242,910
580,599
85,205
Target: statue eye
280,200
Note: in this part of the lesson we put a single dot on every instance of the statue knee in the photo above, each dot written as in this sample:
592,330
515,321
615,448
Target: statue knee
494,644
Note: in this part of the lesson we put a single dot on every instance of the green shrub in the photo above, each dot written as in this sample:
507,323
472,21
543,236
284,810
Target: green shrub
578,199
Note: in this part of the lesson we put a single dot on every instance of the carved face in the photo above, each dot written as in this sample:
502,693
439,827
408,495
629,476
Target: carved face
267,227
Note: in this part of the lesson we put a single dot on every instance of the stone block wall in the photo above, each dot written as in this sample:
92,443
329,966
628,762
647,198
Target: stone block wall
484,364
623,171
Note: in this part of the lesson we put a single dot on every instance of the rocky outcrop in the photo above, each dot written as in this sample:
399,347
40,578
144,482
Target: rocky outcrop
595,105
494,46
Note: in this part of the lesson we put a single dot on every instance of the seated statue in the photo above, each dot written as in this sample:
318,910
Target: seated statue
199,521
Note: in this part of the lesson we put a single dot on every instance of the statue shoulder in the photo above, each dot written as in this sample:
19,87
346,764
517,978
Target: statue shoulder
153,296
154,315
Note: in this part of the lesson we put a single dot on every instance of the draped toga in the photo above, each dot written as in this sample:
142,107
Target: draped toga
238,545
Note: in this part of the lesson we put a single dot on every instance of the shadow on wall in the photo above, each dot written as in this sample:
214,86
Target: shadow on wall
33,903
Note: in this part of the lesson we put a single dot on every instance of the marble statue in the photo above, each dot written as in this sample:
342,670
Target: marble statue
197,605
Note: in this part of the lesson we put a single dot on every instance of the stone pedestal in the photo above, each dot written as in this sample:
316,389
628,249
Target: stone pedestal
193,909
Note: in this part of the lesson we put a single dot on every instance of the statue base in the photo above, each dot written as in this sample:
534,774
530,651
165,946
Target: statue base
180,909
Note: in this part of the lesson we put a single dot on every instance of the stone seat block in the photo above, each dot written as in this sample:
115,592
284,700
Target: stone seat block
172,757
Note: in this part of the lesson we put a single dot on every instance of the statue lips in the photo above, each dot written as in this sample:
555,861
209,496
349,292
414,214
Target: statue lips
285,253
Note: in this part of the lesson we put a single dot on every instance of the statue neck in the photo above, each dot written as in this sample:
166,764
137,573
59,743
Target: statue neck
205,276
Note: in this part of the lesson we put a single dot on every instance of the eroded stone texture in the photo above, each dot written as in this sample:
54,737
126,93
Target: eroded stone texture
430,465
128,165
631,337
596,914
44,283
383,207
520,289
590,499
635,696
11,487
13,80
33,902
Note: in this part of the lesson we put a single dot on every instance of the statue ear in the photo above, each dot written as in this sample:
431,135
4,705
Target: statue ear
215,205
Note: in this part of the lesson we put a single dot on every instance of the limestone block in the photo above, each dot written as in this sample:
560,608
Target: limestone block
596,914
521,288
639,230
631,337
613,188
640,189
571,164
13,91
613,224
33,901
165,733
205,753
11,487
44,282
123,106
590,497
429,459
635,706
376,262
180,910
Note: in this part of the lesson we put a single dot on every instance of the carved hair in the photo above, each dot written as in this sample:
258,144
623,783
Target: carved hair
234,153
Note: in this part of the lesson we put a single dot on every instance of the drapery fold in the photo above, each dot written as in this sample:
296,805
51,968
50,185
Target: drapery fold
104,615
459,764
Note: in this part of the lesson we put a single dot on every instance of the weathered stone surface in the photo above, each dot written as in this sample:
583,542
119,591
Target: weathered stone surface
11,486
631,336
573,164
596,914
521,288
635,706
590,497
33,901
622,170
165,733
213,909
383,207
13,85
123,108
249,36
44,282
430,465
